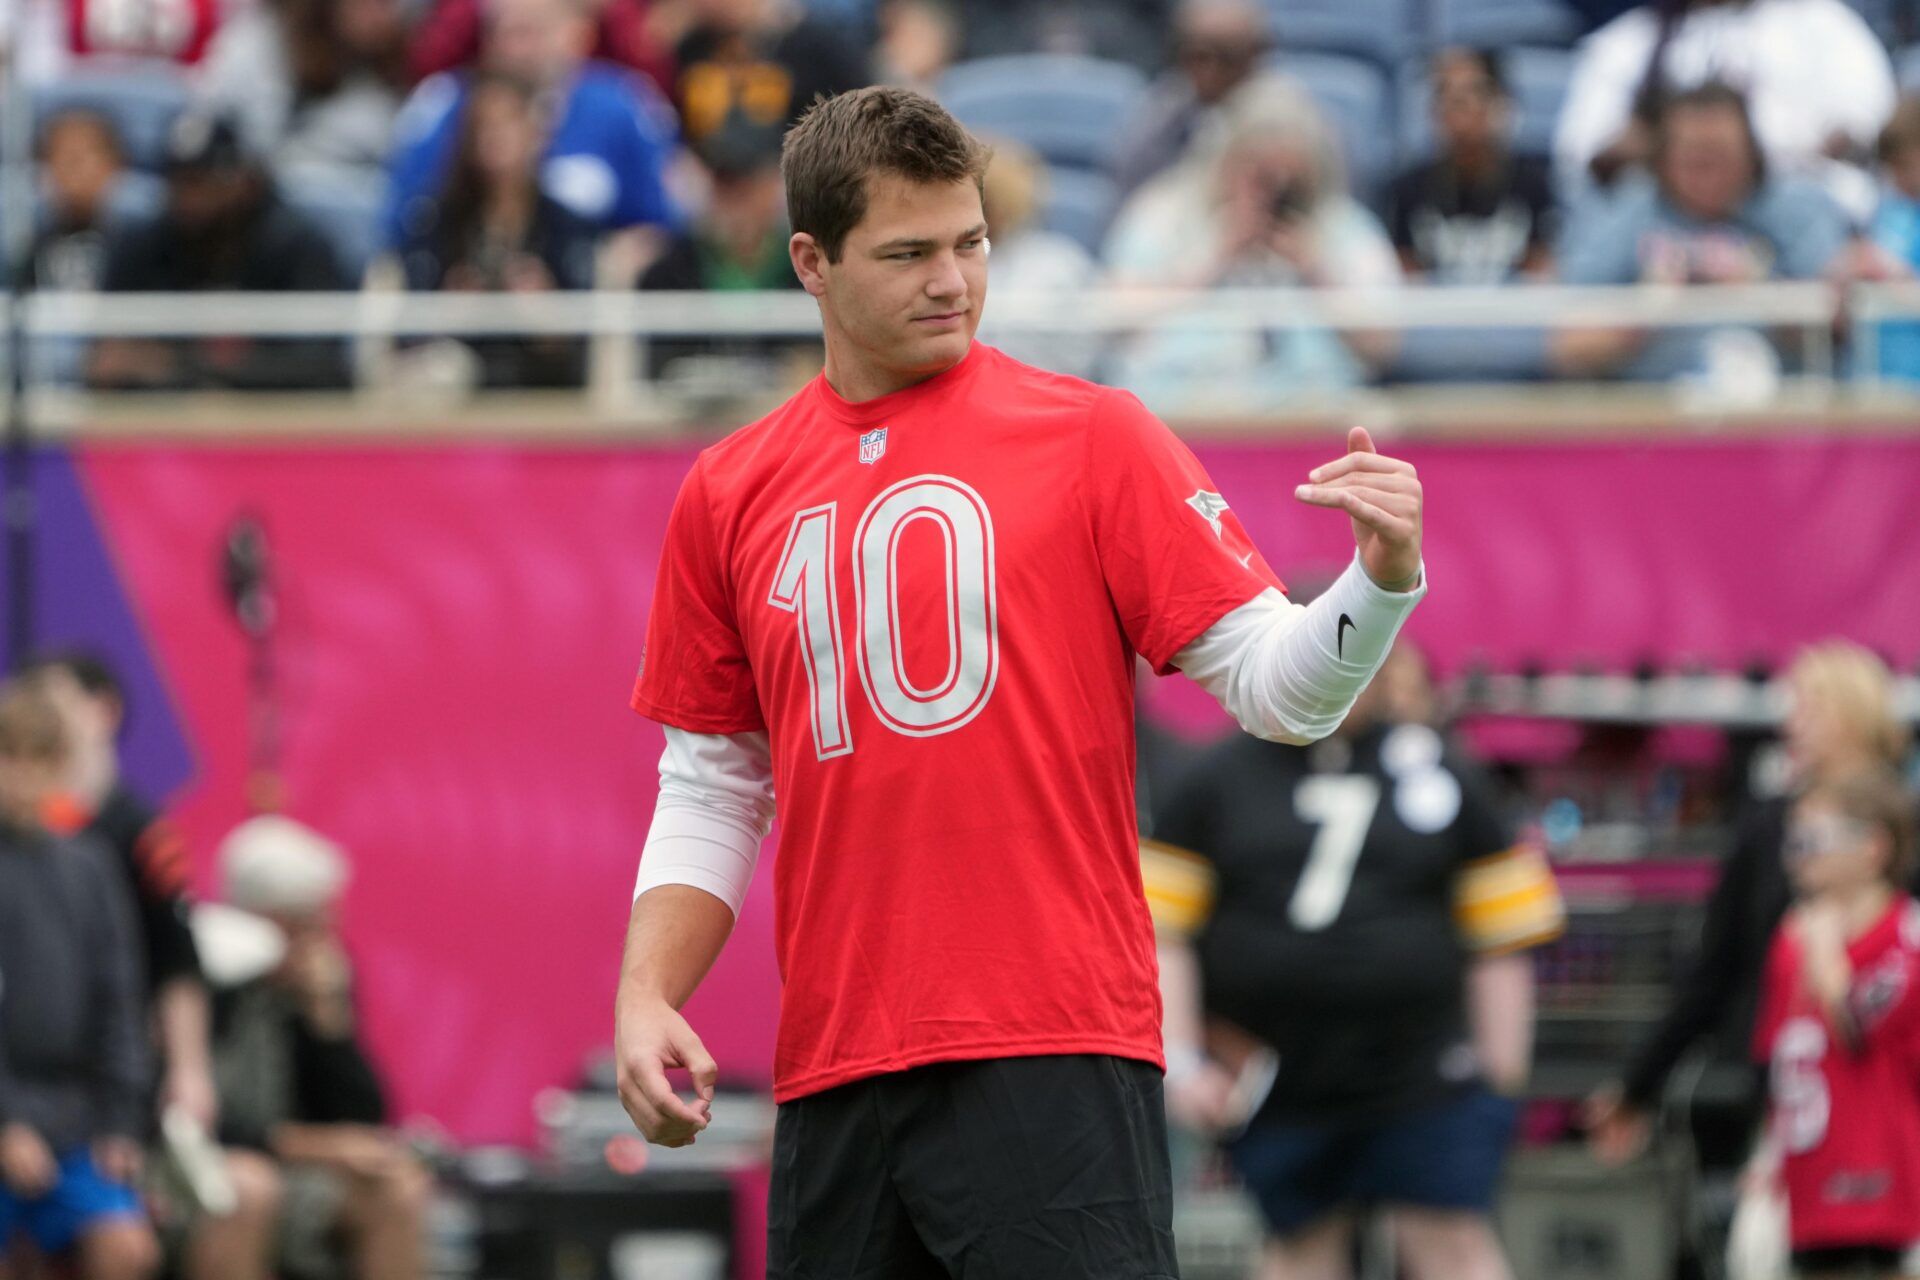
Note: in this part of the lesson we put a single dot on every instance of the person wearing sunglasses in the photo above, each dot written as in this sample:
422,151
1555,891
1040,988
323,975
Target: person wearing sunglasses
1839,1031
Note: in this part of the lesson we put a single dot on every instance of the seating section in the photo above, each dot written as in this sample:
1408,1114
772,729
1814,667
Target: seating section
1065,107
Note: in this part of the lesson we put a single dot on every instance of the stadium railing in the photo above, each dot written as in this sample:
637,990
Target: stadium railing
618,324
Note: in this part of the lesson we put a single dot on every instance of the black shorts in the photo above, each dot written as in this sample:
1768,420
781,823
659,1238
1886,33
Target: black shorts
1002,1169
1866,1260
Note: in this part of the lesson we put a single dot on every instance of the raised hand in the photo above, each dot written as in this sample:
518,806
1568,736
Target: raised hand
1383,497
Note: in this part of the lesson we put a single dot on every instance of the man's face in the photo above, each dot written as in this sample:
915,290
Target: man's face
81,167
1706,169
1468,110
203,198
539,41
1217,47
91,721
912,276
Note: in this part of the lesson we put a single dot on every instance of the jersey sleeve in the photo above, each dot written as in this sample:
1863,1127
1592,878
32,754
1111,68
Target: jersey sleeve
1179,885
694,672
1175,557
1505,896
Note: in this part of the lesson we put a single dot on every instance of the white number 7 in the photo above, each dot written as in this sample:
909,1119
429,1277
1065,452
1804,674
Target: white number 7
1343,805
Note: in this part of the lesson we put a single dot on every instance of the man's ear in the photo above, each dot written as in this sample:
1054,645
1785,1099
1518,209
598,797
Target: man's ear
809,262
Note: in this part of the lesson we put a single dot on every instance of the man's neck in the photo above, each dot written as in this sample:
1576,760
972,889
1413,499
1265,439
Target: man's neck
856,381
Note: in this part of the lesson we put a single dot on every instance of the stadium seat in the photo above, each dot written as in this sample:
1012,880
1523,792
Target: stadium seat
1355,96
1067,108
1381,31
1538,79
1894,21
1080,204
1503,24
345,205
142,107
1906,64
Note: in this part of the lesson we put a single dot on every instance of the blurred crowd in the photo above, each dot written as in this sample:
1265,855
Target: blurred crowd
179,1085
537,145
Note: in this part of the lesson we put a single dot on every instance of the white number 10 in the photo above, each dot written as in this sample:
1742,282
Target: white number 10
806,586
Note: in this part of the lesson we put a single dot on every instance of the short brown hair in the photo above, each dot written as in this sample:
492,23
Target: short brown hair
1874,798
840,140
1903,129
31,730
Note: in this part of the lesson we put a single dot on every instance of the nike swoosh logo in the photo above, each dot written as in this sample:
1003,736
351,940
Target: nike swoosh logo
1340,636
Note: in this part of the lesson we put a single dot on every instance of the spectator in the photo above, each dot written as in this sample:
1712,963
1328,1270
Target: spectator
1896,231
494,229
611,136
314,84
1819,82
1355,1006
1218,45
73,1062
1839,1027
1027,258
1841,722
294,1080
739,242
151,861
224,228
919,40
80,166
1261,203
1711,215
81,171
1124,30
1476,213
761,61
635,34
45,41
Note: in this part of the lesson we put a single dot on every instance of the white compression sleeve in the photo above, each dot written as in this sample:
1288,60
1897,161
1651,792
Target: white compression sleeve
715,806
1290,673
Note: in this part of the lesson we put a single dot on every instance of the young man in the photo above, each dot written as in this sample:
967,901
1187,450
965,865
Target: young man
73,1060
908,602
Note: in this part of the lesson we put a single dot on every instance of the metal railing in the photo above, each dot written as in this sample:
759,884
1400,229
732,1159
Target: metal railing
613,322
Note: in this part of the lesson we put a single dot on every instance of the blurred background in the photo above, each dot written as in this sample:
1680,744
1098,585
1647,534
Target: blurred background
355,350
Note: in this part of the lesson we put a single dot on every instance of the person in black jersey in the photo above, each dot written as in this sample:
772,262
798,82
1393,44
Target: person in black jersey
1351,1007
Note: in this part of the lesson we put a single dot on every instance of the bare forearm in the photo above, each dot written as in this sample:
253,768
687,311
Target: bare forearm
182,1010
1181,1027
1500,1012
674,935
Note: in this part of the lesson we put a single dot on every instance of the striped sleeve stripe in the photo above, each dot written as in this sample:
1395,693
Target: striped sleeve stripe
1509,901
1179,886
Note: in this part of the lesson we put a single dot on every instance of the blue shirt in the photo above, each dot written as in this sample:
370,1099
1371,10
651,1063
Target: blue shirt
1896,228
606,160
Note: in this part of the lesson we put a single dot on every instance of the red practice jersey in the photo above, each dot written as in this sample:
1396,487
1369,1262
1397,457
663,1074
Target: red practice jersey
932,601
172,30
1849,1121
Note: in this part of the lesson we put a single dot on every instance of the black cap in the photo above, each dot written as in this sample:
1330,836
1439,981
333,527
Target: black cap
740,147
199,141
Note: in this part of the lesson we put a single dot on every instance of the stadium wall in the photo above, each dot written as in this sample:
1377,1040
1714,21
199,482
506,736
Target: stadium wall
459,626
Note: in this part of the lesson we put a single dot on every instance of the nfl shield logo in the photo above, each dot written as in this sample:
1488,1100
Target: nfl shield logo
873,445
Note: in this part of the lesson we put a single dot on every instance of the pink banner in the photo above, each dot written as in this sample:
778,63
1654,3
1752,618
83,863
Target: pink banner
461,625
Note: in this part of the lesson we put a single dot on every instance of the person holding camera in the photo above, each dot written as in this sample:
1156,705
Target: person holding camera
1260,202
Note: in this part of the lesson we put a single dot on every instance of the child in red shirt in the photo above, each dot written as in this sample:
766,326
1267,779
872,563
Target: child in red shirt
1839,1028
